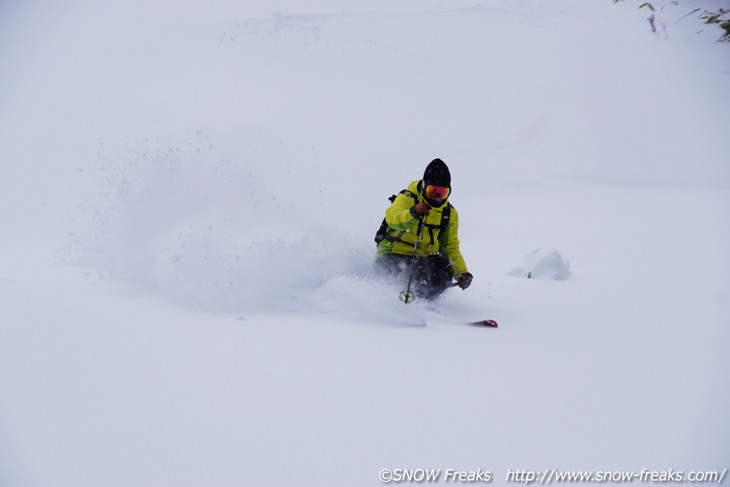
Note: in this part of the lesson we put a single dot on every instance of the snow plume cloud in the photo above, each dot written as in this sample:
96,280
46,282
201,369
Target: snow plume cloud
214,227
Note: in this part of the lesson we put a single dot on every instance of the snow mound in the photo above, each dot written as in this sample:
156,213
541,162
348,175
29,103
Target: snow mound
543,264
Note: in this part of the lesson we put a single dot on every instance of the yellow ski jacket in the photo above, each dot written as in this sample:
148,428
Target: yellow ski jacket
402,228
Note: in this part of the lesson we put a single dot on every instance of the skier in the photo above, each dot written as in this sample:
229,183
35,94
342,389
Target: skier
422,217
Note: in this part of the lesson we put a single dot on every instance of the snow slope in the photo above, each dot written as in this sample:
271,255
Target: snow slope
189,196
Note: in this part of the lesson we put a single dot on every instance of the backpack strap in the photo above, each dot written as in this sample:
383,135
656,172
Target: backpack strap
443,224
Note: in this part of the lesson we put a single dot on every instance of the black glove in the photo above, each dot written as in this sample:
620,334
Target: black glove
464,280
420,210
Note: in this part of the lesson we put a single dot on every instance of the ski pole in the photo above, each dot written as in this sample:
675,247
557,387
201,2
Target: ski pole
407,296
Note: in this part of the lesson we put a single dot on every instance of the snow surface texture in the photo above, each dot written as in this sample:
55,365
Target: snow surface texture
189,196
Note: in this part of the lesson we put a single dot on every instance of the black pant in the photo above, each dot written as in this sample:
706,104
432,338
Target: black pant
432,275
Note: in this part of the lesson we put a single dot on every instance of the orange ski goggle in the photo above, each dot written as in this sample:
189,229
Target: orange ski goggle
437,192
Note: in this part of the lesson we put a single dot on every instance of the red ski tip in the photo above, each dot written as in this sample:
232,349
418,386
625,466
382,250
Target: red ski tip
490,323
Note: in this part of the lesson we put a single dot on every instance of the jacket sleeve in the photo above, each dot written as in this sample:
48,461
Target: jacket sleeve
398,215
449,241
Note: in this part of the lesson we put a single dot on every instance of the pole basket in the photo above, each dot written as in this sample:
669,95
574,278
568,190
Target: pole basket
407,296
